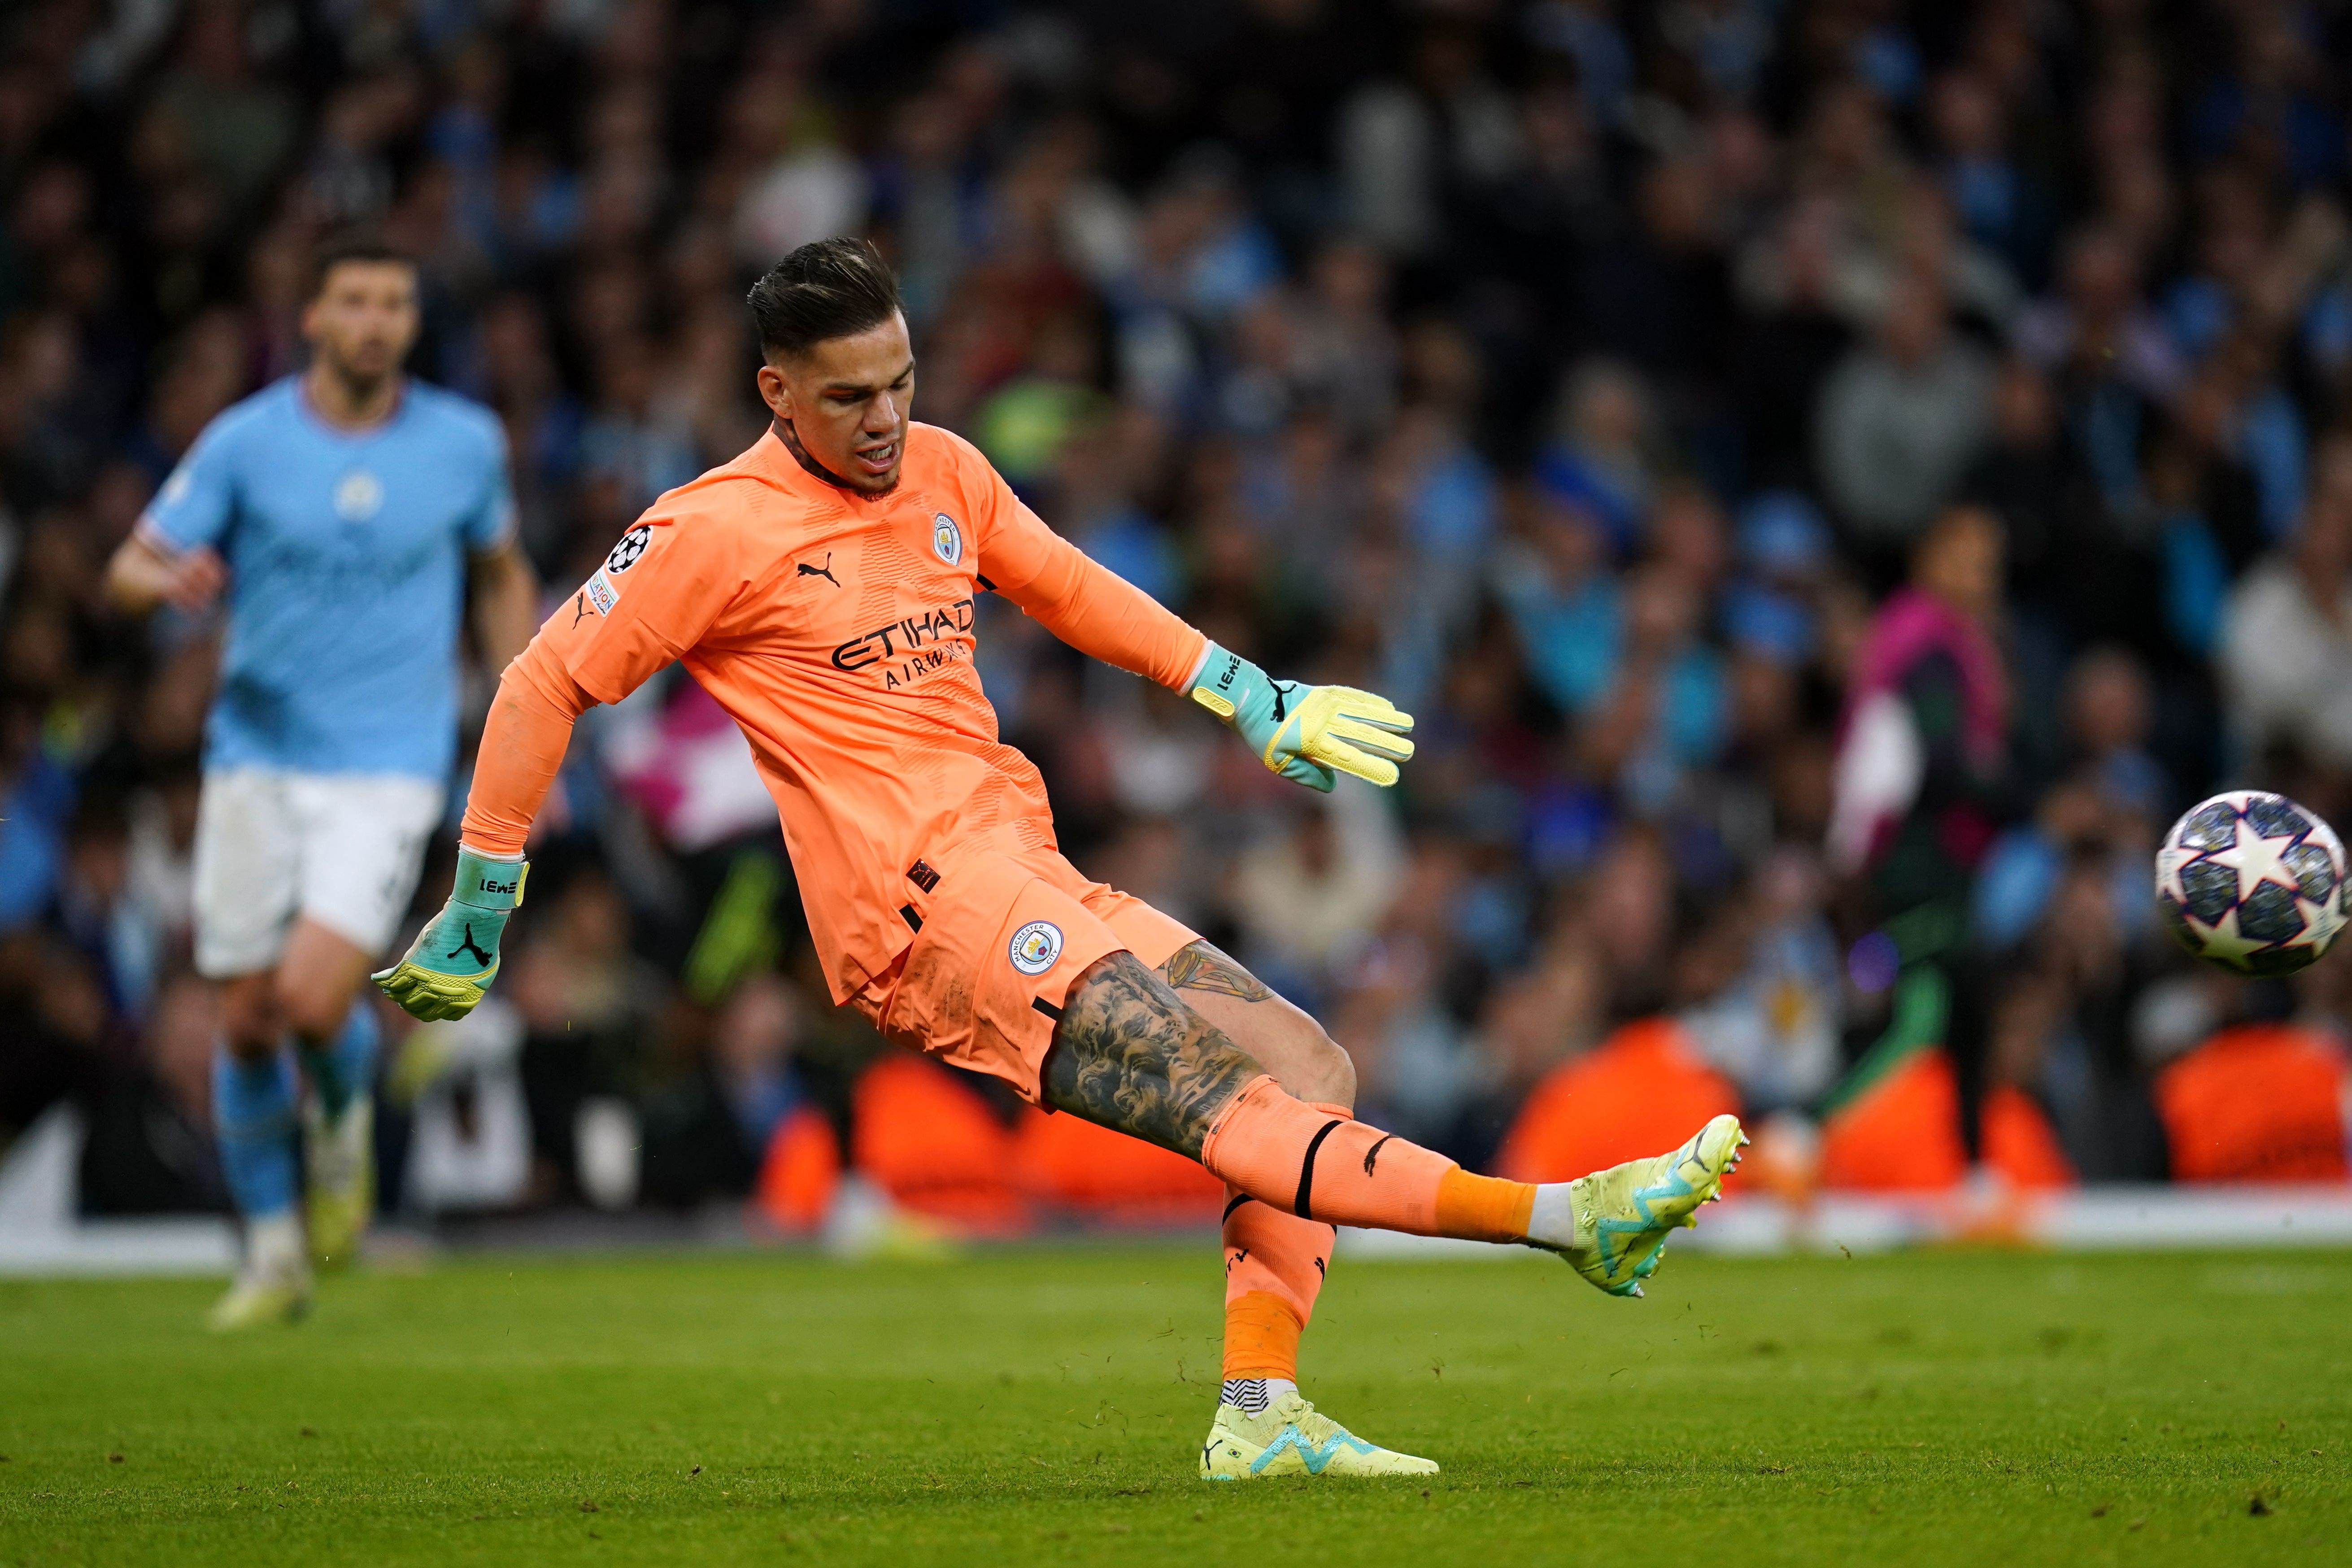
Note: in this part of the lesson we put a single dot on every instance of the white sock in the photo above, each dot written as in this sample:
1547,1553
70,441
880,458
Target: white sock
273,1247
1552,1221
1256,1396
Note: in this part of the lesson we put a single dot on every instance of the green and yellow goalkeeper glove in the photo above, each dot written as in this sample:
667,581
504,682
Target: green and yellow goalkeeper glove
1304,732
456,956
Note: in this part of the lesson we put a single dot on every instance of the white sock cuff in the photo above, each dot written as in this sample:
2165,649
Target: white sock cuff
273,1245
1254,1395
1552,1221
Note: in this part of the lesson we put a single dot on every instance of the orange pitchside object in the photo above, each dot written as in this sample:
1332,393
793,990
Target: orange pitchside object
1069,1163
931,1144
799,1171
1902,1134
2261,1103
1640,1090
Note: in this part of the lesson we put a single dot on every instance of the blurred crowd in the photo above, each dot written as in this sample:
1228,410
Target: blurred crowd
1832,477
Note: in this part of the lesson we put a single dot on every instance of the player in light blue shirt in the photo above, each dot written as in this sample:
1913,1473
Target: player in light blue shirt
343,511
346,554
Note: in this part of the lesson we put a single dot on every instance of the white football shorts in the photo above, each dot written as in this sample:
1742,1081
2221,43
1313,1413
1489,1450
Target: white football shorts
342,849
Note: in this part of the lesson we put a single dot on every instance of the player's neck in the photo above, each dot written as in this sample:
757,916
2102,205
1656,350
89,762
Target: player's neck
348,404
814,469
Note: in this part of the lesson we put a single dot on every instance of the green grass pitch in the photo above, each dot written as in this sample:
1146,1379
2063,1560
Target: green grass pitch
1044,1407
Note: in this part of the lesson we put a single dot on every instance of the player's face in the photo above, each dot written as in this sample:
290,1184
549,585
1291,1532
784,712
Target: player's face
364,318
847,400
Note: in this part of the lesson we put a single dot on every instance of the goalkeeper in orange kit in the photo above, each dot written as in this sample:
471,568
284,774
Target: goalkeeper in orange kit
821,588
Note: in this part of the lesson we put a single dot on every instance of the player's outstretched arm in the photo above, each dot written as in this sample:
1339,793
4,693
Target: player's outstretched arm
455,958
1306,733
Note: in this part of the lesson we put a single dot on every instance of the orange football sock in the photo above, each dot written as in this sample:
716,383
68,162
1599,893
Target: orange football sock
1483,1208
1275,1265
1261,1337
1321,1164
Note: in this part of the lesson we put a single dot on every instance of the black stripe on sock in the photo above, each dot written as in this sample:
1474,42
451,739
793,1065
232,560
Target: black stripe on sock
906,912
1298,1206
985,585
1047,1007
1239,1199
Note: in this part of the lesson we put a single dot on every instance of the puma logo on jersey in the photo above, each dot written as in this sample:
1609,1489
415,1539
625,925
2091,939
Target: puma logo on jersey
824,571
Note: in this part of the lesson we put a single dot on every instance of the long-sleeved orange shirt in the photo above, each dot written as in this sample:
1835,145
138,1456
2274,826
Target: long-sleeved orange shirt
836,629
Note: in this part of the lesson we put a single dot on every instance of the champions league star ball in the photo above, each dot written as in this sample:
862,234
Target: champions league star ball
2252,882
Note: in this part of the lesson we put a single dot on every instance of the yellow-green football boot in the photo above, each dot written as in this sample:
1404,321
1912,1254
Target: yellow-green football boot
254,1303
274,1285
1291,1437
338,1197
1622,1216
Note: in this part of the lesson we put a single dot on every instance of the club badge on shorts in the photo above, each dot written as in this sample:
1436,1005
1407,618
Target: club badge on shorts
1035,946
947,539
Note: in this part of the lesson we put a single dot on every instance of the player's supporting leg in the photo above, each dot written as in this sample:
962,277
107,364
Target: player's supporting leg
335,1031
245,862
1130,1053
1274,1262
253,1118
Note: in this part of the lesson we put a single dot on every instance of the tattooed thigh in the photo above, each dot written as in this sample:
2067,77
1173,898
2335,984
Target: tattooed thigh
1200,966
1130,1055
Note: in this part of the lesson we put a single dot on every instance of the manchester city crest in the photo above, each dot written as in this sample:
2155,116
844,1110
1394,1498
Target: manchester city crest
1035,946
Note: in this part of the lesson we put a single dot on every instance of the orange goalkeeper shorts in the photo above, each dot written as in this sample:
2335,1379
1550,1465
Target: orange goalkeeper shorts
998,944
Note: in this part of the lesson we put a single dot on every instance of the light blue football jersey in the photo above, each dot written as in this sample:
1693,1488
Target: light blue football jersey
346,552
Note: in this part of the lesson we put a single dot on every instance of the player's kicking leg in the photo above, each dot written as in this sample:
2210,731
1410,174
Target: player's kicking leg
1274,1262
1133,1055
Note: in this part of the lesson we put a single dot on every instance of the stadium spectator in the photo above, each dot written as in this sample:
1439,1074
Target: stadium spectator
1901,420
2284,636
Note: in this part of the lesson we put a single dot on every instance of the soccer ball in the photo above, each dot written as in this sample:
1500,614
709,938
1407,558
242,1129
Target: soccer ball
2252,882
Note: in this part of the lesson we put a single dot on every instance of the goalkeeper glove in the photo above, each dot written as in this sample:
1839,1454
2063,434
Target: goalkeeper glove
1303,732
456,956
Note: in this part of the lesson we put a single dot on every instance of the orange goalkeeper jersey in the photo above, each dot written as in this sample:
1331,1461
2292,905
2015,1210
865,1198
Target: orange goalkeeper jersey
836,629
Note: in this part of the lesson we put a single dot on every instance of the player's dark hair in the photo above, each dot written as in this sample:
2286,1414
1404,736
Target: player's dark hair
357,246
827,288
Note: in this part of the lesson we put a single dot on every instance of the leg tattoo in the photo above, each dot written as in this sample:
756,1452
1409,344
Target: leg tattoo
1128,1055
1199,966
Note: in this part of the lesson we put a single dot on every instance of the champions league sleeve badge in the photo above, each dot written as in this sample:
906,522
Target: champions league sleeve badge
600,593
632,545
